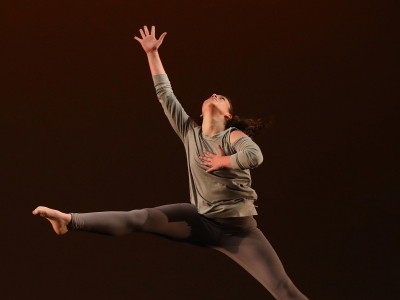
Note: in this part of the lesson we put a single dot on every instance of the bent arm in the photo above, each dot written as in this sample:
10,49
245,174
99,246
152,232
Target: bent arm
248,155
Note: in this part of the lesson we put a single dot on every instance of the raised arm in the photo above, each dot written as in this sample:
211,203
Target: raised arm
150,45
174,111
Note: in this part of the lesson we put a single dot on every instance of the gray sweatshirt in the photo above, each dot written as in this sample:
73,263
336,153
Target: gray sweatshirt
222,193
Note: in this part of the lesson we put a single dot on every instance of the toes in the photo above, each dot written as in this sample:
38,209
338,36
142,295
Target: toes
39,211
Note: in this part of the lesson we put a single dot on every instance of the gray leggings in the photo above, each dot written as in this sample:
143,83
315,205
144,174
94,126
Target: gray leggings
239,238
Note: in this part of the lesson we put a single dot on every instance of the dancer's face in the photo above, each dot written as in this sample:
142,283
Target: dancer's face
217,104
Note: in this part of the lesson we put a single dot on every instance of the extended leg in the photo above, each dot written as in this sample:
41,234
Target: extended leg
256,255
172,221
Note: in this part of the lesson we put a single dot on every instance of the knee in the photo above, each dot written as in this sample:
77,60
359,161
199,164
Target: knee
139,218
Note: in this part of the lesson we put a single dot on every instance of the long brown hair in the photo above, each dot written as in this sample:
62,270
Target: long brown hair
251,127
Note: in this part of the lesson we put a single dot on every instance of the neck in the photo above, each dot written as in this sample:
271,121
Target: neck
211,126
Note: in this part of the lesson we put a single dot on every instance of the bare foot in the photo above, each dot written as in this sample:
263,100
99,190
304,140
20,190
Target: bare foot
58,219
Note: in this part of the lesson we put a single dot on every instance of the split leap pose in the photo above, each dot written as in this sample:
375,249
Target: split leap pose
219,153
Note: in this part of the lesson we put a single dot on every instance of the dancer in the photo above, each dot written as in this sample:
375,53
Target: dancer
220,215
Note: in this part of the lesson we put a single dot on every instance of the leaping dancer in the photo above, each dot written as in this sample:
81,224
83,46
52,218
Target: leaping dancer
220,152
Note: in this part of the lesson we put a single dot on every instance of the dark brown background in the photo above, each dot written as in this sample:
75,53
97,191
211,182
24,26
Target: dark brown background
81,130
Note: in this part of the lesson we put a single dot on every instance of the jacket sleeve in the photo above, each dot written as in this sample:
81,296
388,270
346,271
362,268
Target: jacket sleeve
174,111
248,155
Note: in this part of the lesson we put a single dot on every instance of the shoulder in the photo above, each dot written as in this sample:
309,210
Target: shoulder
235,135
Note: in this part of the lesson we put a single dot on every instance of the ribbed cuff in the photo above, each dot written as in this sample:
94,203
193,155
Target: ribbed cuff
234,163
160,78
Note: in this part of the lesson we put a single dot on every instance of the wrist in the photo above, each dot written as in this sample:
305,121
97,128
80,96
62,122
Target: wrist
152,52
226,162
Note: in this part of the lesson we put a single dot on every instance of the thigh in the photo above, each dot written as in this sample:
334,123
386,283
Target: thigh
180,222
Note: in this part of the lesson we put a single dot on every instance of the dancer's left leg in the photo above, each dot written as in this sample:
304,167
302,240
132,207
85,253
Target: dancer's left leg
255,254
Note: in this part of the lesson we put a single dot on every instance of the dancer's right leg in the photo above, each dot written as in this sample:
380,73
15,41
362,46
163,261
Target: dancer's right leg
171,221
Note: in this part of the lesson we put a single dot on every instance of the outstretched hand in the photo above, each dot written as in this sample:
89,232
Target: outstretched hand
148,40
214,161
